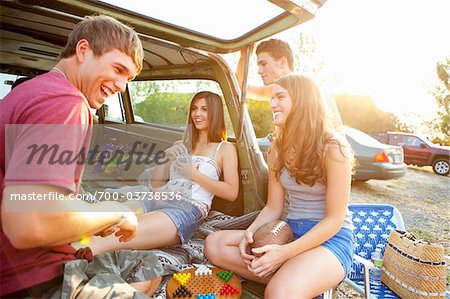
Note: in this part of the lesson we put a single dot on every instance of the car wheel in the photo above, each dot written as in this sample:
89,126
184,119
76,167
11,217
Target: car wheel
441,166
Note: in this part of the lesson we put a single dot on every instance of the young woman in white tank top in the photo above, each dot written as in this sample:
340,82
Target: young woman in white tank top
190,180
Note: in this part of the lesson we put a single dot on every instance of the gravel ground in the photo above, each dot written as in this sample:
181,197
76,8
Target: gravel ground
421,196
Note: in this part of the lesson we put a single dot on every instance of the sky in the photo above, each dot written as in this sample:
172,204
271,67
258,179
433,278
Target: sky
382,48
385,49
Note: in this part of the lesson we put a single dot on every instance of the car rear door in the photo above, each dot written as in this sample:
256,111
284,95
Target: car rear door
418,151
214,26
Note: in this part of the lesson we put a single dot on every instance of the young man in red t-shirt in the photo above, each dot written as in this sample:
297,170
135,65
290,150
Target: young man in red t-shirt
100,57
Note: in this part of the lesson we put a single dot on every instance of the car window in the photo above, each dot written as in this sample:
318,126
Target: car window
412,141
361,137
396,139
425,140
6,81
166,102
114,108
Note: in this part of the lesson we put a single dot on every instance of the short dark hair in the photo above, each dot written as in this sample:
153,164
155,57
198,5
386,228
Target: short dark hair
277,48
104,34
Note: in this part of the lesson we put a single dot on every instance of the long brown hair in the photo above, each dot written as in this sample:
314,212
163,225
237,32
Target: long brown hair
301,145
217,131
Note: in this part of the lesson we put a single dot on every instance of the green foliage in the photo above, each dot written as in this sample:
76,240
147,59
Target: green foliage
140,89
442,95
158,102
261,117
306,59
360,112
357,111
164,108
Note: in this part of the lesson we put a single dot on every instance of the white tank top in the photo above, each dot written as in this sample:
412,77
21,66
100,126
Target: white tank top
192,191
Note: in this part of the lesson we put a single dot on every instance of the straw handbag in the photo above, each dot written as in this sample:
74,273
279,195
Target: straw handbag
413,268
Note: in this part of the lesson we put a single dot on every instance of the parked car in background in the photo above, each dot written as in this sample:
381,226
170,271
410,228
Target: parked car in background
264,144
419,150
374,160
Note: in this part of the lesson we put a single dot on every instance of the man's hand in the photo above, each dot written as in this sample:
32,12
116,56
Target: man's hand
241,63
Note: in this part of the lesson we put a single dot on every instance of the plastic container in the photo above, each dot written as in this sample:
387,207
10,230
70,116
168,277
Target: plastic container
375,273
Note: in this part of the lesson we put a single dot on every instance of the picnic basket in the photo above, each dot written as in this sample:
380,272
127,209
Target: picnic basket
413,268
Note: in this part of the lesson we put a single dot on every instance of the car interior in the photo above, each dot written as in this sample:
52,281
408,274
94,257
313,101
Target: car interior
178,63
33,36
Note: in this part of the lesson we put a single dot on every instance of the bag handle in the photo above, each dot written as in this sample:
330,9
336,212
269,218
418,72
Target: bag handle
414,239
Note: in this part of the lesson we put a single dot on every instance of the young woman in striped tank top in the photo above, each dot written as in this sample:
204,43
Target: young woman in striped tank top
310,166
192,179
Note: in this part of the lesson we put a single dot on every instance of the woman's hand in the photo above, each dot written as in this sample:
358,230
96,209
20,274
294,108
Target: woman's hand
188,170
127,227
175,150
107,231
246,241
274,256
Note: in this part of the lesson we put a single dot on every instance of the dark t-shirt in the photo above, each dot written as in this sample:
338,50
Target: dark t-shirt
51,100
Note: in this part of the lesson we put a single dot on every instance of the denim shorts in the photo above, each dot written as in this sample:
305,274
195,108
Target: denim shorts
185,215
341,244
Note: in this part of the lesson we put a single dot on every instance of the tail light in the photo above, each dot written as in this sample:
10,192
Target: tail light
381,157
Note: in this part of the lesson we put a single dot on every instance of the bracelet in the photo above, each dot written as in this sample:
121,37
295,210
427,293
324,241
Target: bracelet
125,216
122,220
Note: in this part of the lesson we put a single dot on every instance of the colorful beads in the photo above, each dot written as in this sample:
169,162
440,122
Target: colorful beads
228,289
182,292
182,278
207,296
224,275
203,271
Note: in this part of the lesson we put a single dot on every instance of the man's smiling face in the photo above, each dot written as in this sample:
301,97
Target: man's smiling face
103,76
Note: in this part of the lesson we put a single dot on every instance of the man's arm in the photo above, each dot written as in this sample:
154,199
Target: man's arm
46,223
263,93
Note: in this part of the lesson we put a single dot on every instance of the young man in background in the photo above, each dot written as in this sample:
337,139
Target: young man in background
274,59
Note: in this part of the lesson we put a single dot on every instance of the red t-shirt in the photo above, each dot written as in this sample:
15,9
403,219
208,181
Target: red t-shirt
51,100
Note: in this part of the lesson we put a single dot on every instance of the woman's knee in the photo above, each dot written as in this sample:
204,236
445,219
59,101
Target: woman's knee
212,247
274,290
279,290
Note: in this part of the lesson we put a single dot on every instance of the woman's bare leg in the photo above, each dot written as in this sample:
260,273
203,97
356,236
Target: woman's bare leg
147,287
307,275
222,250
134,205
155,230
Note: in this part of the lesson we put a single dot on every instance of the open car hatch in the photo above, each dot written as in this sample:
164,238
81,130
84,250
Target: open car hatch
216,26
